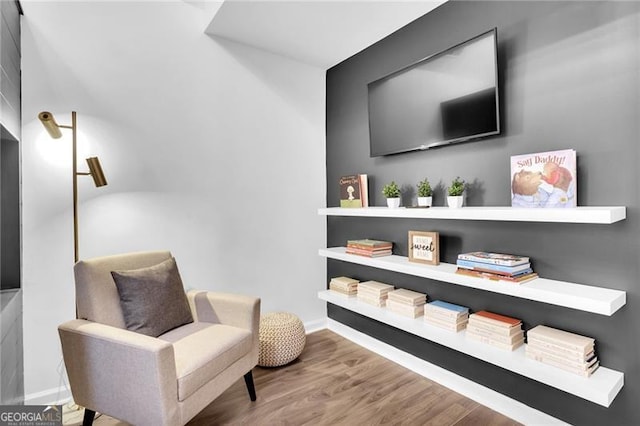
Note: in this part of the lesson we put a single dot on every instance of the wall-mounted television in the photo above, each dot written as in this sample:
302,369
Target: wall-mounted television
448,97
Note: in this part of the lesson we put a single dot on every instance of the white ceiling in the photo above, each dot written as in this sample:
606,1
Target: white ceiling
319,33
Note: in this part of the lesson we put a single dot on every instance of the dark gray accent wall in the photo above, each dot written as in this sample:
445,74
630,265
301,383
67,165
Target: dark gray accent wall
569,74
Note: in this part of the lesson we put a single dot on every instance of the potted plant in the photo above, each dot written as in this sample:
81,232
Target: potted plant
424,193
392,192
455,191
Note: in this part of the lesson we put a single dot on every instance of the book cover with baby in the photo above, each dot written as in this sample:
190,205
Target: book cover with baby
544,179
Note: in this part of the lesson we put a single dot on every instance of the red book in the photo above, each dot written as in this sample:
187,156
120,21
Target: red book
497,317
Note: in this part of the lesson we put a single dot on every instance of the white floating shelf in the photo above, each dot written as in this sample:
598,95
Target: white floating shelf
602,215
601,388
570,295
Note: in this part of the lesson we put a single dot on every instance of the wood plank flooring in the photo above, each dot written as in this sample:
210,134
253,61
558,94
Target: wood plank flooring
336,382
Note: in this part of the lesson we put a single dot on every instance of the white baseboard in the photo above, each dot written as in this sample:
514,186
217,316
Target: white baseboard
53,396
316,325
481,394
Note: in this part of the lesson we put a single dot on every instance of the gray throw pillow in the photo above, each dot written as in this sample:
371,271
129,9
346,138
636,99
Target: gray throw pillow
153,300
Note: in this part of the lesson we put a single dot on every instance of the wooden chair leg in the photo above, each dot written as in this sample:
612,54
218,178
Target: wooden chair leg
88,417
248,380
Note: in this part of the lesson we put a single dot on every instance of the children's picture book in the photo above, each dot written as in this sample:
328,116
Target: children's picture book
544,179
354,191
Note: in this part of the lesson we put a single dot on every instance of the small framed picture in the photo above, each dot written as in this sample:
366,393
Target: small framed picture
424,247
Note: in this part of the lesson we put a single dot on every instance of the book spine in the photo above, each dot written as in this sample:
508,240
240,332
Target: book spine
445,308
342,290
455,327
403,309
411,313
509,340
495,319
448,320
518,279
500,275
495,343
375,287
559,352
477,274
408,301
579,372
407,306
370,296
489,267
344,281
339,293
559,346
493,261
499,329
374,291
372,301
561,337
367,253
367,249
371,245
541,354
344,286
364,190
444,313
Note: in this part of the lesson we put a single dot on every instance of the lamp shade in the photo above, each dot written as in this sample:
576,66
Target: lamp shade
95,169
50,124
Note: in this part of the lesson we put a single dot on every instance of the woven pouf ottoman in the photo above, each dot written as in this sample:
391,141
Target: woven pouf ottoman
282,339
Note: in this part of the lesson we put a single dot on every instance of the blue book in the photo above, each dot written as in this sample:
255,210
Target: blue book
449,306
511,270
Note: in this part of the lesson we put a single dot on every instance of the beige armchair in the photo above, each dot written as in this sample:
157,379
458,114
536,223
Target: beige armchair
164,380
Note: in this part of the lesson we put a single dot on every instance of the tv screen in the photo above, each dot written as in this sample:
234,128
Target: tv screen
448,97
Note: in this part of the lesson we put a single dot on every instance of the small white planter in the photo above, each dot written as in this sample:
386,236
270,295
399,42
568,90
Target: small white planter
425,201
393,203
455,202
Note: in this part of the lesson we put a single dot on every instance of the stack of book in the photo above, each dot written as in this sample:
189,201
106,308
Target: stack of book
495,266
406,302
446,315
344,285
374,293
497,330
369,248
568,351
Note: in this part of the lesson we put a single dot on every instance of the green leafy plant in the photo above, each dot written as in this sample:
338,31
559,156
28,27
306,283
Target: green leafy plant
391,190
424,188
457,187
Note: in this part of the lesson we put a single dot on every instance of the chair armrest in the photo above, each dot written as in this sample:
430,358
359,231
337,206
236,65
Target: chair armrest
120,372
225,308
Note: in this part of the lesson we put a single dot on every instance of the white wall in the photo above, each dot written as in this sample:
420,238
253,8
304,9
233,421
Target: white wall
212,149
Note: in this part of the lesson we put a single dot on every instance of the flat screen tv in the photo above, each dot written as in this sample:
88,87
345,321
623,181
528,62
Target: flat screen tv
449,97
